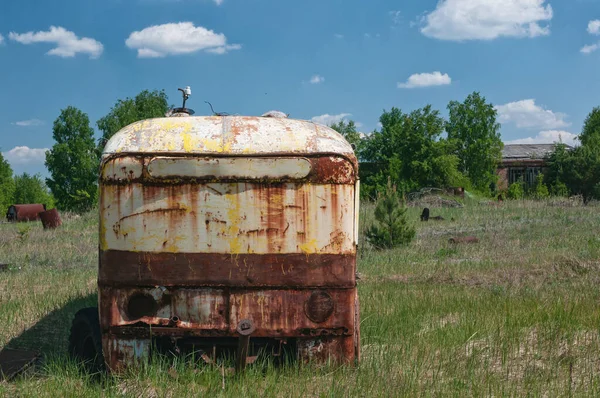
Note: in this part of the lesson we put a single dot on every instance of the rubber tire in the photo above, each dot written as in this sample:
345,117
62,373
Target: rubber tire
85,340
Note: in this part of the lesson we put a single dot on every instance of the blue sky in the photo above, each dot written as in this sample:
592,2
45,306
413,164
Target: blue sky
537,60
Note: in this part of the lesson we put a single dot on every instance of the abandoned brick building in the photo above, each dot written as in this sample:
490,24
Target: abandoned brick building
522,161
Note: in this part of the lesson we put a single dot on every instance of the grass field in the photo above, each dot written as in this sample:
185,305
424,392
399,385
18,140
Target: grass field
516,314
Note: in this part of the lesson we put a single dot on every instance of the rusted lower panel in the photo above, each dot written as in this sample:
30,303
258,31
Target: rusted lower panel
327,349
217,312
243,270
120,352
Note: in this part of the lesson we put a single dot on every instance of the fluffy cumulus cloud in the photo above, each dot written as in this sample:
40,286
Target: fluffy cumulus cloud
316,79
177,38
419,80
460,20
328,120
29,123
548,137
527,114
1,39
594,27
68,44
588,49
22,155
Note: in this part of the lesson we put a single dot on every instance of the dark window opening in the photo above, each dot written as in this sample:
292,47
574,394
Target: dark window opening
527,174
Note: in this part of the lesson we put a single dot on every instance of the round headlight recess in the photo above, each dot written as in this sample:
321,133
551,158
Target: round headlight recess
319,307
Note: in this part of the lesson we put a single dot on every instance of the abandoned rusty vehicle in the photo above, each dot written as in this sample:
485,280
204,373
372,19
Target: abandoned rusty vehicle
225,235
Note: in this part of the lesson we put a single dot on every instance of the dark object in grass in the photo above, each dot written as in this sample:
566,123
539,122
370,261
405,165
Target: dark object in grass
463,239
13,362
50,219
425,216
4,267
85,342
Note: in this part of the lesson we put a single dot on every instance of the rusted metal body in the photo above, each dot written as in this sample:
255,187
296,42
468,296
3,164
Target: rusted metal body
22,213
50,219
228,231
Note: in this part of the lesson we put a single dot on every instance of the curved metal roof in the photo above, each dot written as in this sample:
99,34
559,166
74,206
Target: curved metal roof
228,135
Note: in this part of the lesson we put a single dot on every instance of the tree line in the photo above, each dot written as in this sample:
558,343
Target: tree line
421,149
74,159
410,150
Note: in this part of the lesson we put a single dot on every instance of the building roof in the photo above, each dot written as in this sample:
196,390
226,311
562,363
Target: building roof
228,135
527,151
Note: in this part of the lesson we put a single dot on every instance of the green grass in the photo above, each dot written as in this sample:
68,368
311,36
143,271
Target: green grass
516,314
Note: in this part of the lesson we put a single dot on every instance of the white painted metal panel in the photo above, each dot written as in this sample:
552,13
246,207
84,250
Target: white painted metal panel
123,168
228,218
242,167
227,135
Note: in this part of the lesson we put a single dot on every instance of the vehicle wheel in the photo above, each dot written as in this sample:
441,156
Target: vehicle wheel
85,341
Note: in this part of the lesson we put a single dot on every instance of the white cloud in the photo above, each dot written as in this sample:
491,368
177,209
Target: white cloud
158,41
419,80
588,49
218,2
396,16
548,137
67,43
338,36
24,155
1,39
317,79
487,19
28,123
594,27
327,119
526,114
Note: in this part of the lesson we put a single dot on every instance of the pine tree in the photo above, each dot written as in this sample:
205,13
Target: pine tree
391,228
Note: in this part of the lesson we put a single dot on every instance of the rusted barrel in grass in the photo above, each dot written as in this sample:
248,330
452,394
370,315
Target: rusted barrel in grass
24,213
50,219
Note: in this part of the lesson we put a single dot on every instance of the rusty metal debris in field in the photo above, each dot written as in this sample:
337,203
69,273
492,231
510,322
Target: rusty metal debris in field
23,213
50,219
13,362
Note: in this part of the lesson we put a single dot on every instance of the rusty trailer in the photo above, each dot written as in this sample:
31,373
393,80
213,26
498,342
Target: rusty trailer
226,234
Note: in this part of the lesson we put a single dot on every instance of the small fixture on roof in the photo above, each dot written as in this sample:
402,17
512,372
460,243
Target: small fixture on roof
183,111
276,114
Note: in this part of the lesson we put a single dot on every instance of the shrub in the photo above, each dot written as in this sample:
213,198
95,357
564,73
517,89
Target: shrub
540,190
559,189
516,190
391,228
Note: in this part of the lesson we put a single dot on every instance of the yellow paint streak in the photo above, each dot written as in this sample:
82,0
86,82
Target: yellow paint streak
103,243
233,219
309,247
